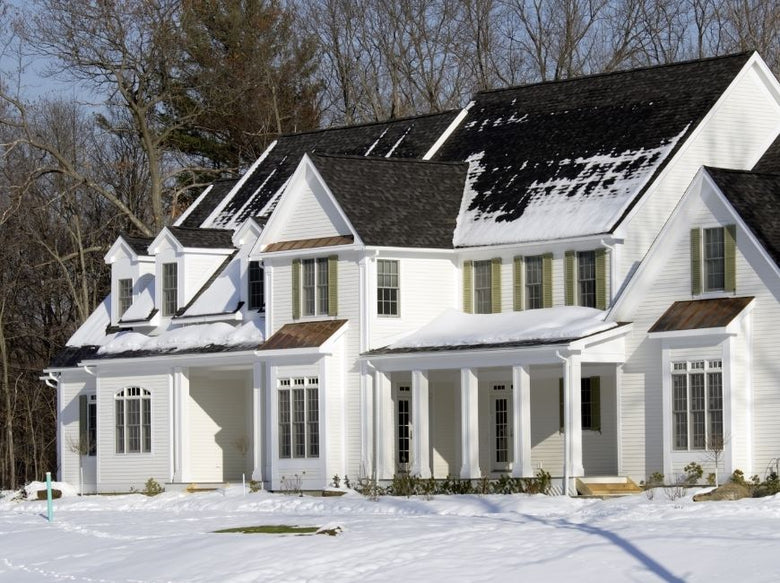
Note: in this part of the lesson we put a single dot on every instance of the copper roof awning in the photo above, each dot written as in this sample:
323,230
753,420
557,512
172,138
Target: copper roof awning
302,335
699,314
310,243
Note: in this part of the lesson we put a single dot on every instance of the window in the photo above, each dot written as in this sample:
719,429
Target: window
404,425
590,403
169,289
315,286
87,425
533,282
697,405
299,418
256,287
483,286
586,279
124,295
133,416
387,287
714,259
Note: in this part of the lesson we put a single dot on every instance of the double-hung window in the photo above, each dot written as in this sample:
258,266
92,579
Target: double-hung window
387,287
483,286
298,417
697,405
586,279
124,295
169,289
533,282
87,425
133,420
256,287
315,286
714,259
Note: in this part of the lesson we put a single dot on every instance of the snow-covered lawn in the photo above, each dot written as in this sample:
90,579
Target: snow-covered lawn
450,538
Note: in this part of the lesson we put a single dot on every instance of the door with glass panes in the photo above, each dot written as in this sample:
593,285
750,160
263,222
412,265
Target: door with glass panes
501,427
403,428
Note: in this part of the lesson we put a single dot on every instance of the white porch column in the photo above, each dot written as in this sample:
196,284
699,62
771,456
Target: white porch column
521,422
469,424
421,461
572,419
367,438
181,416
385,432
258,425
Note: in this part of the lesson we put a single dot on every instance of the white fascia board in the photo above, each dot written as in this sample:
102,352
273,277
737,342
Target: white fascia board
190,208
122,247
582,242
308,251
201,359
447,132
224,251
248,231
162,237
281,356
225,317
616,333
237,187
754,61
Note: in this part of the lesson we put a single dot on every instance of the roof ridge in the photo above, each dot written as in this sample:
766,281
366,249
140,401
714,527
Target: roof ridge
616,72
369,123
385,159
199,229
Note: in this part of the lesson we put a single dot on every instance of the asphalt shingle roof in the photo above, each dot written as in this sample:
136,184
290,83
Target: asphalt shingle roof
219,190
396,203
140,245
403,138
769,163
756,197
563,145
203,238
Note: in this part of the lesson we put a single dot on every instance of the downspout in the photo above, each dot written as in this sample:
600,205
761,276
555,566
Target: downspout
566,424
612,270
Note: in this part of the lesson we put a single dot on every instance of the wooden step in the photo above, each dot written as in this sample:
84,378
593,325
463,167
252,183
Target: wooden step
607,486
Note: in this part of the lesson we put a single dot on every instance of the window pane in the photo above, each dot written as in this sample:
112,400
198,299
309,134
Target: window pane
120,425
715,409
404,421
284,424
586,395
92,428
308,286
256,291
586,278
533,282
169,289
299,423
502,430
387,287
680,410
133,425
698,427
322,285
313,422
483,287
146,406
125,290
714,267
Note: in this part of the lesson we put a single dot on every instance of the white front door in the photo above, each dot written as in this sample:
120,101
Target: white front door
501,428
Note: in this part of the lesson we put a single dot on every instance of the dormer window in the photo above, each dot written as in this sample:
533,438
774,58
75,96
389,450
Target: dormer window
124,295
713,259
169,289
315,286
256,289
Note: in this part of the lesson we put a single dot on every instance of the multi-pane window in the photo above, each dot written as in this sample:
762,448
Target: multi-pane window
169,289
299,418
315,286
501,424
133,415
533,283
586,278
697,404
404,427
256,287
714,259
92,426
483,287
387,287
125,295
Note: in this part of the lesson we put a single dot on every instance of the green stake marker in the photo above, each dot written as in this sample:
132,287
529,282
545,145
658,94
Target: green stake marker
49,505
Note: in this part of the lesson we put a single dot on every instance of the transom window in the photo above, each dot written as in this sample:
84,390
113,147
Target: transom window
387,287
697,404
714,259
133,415
169,289
125,295
256,287
299,417
586,278
483,287
315,286
533,282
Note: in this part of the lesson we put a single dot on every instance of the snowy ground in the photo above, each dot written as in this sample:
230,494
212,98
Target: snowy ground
450,538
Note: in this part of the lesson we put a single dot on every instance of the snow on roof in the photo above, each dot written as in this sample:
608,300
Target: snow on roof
222,296
186,337
93,330
143,303
454,328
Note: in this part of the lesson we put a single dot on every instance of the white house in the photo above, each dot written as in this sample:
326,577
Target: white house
578,276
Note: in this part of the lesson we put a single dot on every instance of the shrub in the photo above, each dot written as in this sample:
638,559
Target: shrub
693,473
255,485
152,488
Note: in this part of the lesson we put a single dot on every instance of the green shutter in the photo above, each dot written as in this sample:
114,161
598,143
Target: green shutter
601,279
547,283
468,286
560,404
730,257
83,413
296,289
569,278
495,285
333,285
595,397
517,284
695,262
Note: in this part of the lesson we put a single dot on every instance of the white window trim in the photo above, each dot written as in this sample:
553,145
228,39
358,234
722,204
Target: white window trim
319,262
120,396
288,384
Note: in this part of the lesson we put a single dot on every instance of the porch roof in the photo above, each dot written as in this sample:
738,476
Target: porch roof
700,314
302,335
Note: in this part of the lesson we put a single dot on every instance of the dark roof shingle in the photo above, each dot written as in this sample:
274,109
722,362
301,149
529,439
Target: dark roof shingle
219,190
203,238
698,314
